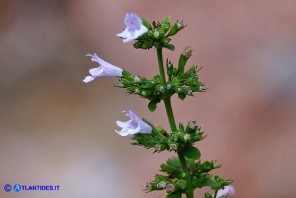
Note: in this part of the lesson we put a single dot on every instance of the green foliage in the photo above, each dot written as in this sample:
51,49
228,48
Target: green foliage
153,104
182,81
191,152
158,34
174,195
172,167
183,84
220,183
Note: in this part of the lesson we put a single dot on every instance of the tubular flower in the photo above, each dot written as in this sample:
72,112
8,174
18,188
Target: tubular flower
134,27
227,191
133,126
104,69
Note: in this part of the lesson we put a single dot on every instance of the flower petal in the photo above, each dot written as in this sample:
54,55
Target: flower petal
134,27
227,191
88,79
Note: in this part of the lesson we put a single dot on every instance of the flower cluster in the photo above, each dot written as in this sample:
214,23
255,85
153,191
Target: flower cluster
182,139
185,173
180,82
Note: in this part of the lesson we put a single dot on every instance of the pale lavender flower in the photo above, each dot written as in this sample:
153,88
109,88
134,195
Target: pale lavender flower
134,27
104,69
133,126
227,191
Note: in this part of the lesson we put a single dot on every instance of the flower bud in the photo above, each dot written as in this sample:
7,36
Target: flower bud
169,86
188,51
201,88
157,148
180,25
170,188
189,92
186,137
156,34
148,186
137,79
161,185
176,28
181,184
173,147
215,165
160,88
192,125
137,90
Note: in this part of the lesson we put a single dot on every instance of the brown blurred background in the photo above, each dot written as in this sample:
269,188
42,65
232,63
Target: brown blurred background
57,130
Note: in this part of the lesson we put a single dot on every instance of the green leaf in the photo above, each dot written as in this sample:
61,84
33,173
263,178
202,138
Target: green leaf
152,105
182,96
191,152
170,47
172,166
174,195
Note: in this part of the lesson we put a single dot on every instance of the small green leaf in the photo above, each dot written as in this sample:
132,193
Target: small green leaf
146,24
192,152
172,166
182,96
174,195
170,47
152,105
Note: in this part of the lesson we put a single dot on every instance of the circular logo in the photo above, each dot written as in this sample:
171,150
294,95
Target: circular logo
7,187
17,187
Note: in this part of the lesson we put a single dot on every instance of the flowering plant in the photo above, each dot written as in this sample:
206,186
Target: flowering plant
185,172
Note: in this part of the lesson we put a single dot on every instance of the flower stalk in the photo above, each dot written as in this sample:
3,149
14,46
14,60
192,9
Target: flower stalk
171,118
186,172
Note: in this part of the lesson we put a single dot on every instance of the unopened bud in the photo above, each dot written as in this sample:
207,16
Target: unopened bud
148,186
157,148
169,86
176,28
170,188
192,125
173,147
186,137
156,34
137,90
180,25
161,88
201,88
215,164
189,92
137,79
161,185
188,51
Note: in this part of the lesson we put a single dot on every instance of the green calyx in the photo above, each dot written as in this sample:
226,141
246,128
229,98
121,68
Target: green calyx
174,177
181,140
158,34
181,83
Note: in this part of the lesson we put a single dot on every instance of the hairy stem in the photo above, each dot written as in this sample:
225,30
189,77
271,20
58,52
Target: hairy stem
170,114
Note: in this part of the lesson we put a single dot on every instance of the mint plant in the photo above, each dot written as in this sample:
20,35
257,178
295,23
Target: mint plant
186,172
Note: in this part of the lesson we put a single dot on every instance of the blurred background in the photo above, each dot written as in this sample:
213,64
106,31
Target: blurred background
57,130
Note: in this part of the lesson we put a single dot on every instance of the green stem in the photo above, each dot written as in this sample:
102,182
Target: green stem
160,64
170,114
215,195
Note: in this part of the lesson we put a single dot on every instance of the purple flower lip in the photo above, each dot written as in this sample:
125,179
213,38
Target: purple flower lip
134,27
133,126
104,69
227,191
